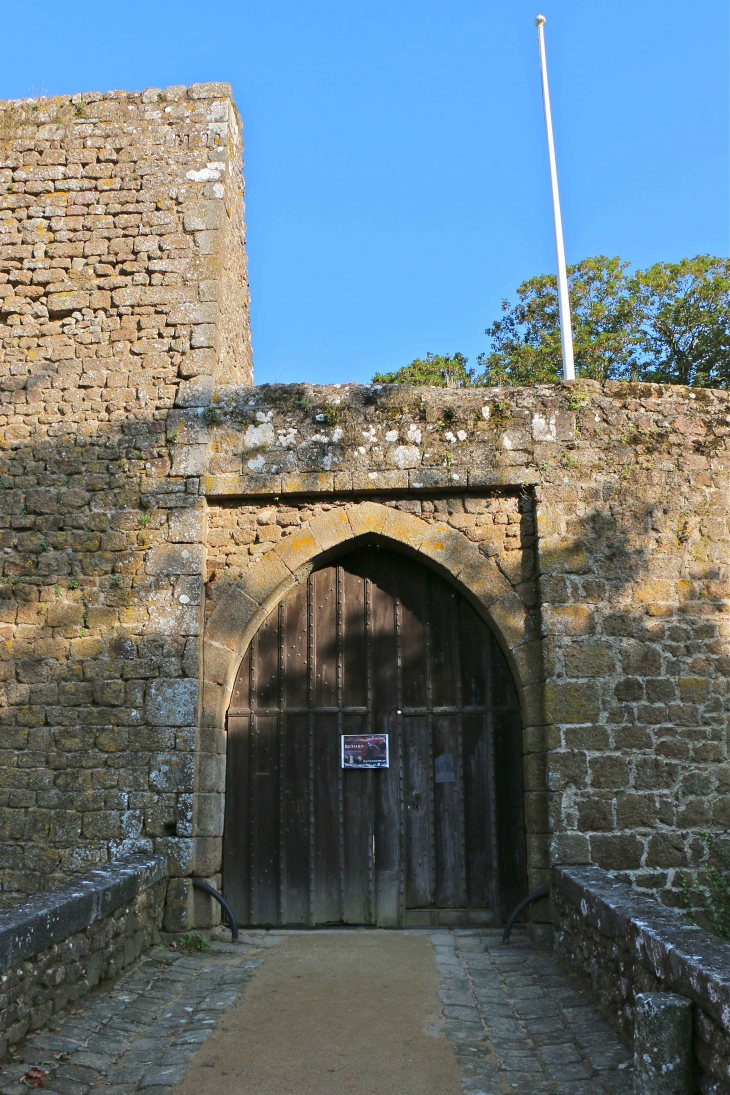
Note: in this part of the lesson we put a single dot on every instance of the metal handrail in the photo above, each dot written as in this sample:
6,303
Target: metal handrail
522,905
198,884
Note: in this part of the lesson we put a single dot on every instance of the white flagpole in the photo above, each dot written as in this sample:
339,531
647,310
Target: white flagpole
566,335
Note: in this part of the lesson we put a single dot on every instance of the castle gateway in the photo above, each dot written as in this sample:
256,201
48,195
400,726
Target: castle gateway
374,763
352,654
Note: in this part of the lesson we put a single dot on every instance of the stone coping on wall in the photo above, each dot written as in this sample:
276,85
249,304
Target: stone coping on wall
48,918
685,958
345,482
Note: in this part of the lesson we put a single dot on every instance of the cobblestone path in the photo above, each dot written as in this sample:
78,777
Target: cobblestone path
142,1033
517,1021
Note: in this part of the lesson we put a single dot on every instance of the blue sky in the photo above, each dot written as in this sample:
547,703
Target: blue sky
396,171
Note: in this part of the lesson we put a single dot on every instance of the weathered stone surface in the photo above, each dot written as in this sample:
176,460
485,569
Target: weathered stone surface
179,559
297,549
186,526
195,393
49,918
518,1021
624,945
331,528
55,947
126,312
145,1025
367,517
230,617
569,703
171,703
268,575
662,1044
179,905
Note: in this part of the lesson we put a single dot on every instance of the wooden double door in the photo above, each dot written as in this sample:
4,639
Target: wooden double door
375,644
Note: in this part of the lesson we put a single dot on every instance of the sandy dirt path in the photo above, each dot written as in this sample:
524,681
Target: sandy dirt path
333,1014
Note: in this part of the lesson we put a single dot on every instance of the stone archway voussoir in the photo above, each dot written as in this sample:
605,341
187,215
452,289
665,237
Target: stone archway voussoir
331,528
511,618
268,575
243,607
217,662
404,528
447,547
234,611
528,662
367,517
296,550
484,580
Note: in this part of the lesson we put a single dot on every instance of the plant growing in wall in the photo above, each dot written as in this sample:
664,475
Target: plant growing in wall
712,899
192,943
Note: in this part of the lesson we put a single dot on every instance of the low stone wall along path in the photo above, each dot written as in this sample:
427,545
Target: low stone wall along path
324,1012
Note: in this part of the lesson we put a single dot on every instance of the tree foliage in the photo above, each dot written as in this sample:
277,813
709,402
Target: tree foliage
434,371
605,322
685,314
669,324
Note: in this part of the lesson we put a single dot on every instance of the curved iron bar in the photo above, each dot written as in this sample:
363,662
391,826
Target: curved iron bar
200,885
522,905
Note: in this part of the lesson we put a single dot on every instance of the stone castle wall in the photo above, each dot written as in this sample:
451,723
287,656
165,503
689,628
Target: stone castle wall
154,507
621,944
123,292
123,282
589,524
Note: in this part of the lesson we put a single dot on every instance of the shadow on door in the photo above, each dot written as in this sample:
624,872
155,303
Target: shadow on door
376,645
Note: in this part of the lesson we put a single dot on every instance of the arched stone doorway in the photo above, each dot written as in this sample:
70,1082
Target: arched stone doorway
377,646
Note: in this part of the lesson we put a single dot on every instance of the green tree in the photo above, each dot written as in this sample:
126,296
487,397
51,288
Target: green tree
669,324
434,371
685,314
605,321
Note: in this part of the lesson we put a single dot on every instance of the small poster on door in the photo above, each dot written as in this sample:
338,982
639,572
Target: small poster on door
365,751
